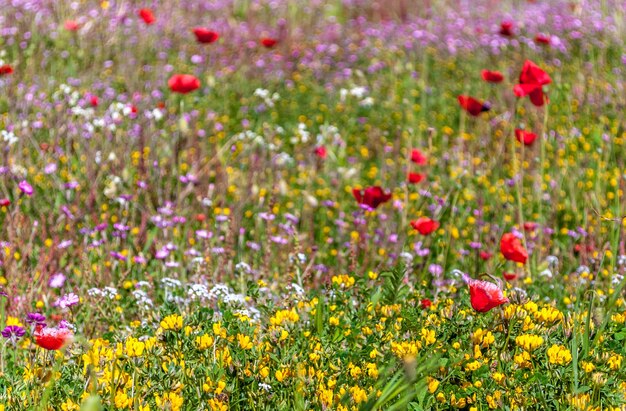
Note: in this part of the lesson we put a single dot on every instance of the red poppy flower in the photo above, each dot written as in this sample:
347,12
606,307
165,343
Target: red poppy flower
583,248
93,100
5,202
53,338
525,137
530,226
415,178
531,82
183,83
71,25
426,303
418,158
485,255
473,106
541,38
509,276
512,249
371,197
205,36
321,152
268,42
425,225
200,217
5,69
484,295
506,28
492,76
147,16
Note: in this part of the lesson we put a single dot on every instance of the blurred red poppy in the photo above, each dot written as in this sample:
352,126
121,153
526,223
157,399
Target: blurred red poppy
147,16
485,255
371,197
525,137
53,338
183,83
418,158
320,151
541,38
531,82
506,28
426,303
5,202
425,225
71,25
530,226
492,76
472,106
512,249
484,295
415,178
509,276
268,42
205,36
93,100
5,69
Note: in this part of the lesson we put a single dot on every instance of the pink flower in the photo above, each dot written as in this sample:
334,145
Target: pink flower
26,188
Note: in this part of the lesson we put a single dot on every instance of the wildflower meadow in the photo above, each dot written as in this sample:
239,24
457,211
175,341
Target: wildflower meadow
312,205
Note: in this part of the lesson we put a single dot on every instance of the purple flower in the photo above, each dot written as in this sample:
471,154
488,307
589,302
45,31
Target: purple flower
68,300
139,259
26,188
13,333
435,269
36,318
50,168
57,280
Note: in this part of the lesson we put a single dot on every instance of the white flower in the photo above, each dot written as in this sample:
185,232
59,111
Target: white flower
367,102
8,137
546,273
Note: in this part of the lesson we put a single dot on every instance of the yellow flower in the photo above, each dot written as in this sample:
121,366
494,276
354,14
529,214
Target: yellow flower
172,322
280,375
264,372
359,395
284,316
529,342
372,370
217,405
218,330
244,342
169,401
14,321
204,342
68,405
134,347
428,336
559,354
472,366
433,384
344,280
615,361
498,377
122,401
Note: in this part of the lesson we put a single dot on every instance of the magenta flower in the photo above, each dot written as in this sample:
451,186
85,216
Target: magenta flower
68,300
26,188
13,333
57,280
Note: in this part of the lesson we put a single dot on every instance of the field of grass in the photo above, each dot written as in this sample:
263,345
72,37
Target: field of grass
312,205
